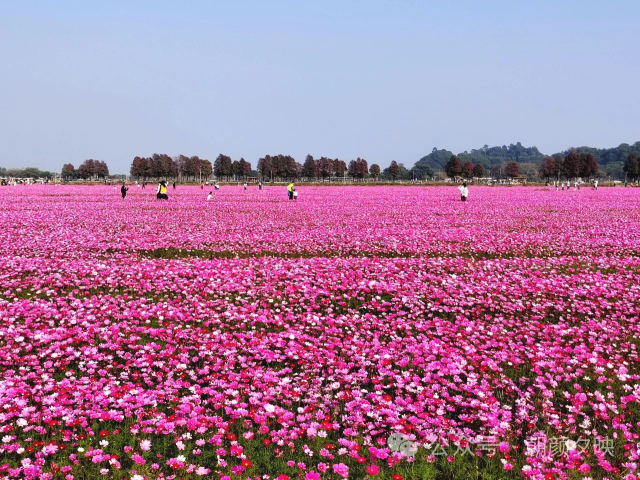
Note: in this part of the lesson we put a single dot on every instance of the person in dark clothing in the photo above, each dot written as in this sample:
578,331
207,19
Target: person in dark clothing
174,185
123,191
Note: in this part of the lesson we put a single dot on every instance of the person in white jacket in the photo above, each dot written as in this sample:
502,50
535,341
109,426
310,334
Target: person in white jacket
464,192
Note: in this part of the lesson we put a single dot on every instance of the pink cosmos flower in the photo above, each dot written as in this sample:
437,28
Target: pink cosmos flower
372,470
584,468
341,469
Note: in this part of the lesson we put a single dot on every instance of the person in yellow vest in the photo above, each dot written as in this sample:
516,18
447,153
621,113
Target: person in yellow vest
161,193
290,190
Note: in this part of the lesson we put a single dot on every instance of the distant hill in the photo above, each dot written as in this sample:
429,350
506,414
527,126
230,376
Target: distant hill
610,160
608,155
436,160
486,156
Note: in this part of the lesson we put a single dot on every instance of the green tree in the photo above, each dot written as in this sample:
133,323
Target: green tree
479,171
207,168
632,166
309,167
394,170
421,171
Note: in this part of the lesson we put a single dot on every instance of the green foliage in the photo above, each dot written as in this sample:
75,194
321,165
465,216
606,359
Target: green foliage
393,171
479,171
609,161
614,169
436,160
632,166
487,156
606,156
421,172
29,172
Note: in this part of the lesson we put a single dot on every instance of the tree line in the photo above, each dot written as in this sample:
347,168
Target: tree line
497,161
455,168
284,166
88,169
574,165
29,172
270,167
161,165
512,161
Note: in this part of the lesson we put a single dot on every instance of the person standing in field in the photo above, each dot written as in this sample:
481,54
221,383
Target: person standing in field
210,196
161,193
464,192
245,185
123,191
290,190
174,185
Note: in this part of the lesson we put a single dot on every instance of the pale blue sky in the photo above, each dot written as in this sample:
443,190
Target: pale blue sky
383,80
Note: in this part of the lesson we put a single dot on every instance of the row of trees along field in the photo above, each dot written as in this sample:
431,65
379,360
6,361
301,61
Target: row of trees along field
29,172
161,165
270,167
280,167
455,168
621,162
574,165
88,169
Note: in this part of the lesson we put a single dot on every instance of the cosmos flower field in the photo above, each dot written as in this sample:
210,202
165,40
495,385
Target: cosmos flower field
250,337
